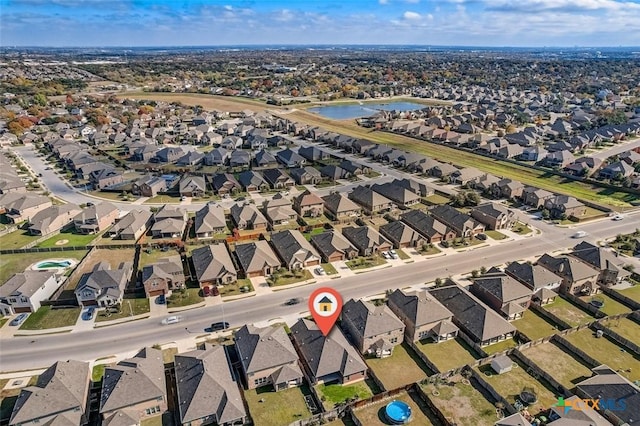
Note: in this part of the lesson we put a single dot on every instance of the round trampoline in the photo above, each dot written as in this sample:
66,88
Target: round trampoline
398,412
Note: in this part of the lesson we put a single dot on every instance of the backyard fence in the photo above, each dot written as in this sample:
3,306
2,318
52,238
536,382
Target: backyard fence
575,351
619,297
537,372
549,316
622,341
486,387
585,306
422,356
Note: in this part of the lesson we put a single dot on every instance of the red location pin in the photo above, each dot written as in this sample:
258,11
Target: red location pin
325,305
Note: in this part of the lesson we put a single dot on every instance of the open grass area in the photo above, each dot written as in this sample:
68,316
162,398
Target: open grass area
447,355
334,394
402,255
184,297
166,419
315,231
428,250
462,403
499,347
560,365
534,326
208,102
277,408
13,263
568,312
374,414
130,307
285,277
606,352
632,292
45,318
72,240
3,321
458,157
243,285
512,383
365,262
329,269
311,221
149,256
522,229
97,372
169,355
496,235
610,307
163,199
16,239
627,328
401,368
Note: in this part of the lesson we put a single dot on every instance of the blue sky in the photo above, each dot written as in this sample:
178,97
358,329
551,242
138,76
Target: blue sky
213,22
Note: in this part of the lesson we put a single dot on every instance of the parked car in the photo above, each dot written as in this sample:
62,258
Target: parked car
161,300
392,254
579,234
218,326
215,291
174,319
294,301
87,315
386,255
18,320
206,291
320,270
482,237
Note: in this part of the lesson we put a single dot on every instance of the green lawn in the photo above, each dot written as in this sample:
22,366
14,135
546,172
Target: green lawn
316,220
163,199
499,347
462,403
235,288
130,307
627,328
610,307
567,370
534,326
184,297
13,263
97,372
606,352
16,239
431,250
373,415
286,277
334,394
73,240
45,318
568,312
496,235
365,262
166,419
632,292
402,255
522,229
436,199
3,321
270,408
447,355
315,231
401,368
329,269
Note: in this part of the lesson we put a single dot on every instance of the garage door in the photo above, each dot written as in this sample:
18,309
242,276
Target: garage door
22,310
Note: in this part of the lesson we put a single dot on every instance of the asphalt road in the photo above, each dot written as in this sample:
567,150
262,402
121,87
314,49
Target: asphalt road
20,353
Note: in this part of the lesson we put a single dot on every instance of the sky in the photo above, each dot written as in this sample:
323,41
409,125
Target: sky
84,23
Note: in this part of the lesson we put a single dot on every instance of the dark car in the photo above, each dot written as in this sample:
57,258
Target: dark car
481,237
215,291
88,314
206,291
161,300
293,301
18,320
217,326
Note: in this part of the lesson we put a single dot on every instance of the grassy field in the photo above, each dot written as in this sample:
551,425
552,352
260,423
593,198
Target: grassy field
523,174
437,199
334,394
610,307
499,347
45,318
166,419
510,385
606,352
632,292
401,368
130,307
496,235
534,326
73,240
329,269
13,263
208,102
153,256
365,262
278,408
447,355
522,229
571,314
16,239
462,403
567,370
374,414
97,372
402,255
625,327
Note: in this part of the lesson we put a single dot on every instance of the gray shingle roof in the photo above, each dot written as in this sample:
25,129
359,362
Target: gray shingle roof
424,224
263,348
208,218
337,203
25,283
364,237
502,286
370,320
291,244
330,242
533,276
419,307
254,256
212,262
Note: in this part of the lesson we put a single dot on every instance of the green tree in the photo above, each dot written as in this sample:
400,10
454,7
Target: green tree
40,99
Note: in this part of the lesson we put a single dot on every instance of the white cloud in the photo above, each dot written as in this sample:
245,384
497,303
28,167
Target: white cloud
383,1
411,16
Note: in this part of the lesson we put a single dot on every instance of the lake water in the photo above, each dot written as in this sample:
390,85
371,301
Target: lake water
345,112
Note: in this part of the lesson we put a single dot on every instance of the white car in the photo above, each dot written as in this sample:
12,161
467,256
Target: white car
174,319
580,234
618,217
386,255
320,270
393,254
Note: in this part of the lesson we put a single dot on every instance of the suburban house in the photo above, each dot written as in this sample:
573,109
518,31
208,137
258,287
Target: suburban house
540,280
149,186
277,179
503,294
474,318
209,220
333,172
611,267
578,277
278,211
239,158
169,222
371,201
192,186
169,154
24,291
294,250
338,207
53,219
263,158
132,226
367,240
290,158
308,204
431,229
216,157
507,188
402,235
212,265
616,170
414,186
423,315
312,153
375,330
105,178
225,184
257,259
207,390
96,218
535,197
400,195
163,276
463,224
134,389
327,359
563,205
306,175
103,286
267,357
494,216
247,216
252,181
333,247
59,397
191,158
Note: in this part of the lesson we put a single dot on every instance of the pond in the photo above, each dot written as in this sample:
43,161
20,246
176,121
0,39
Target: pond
345,112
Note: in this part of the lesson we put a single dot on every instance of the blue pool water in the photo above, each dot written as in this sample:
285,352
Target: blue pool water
53,264
345,112
398,412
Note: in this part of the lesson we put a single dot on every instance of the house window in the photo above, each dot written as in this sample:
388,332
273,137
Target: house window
393,340
260,381
12,300
423,334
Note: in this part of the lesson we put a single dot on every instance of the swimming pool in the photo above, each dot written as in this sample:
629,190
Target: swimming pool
53,264
398,412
